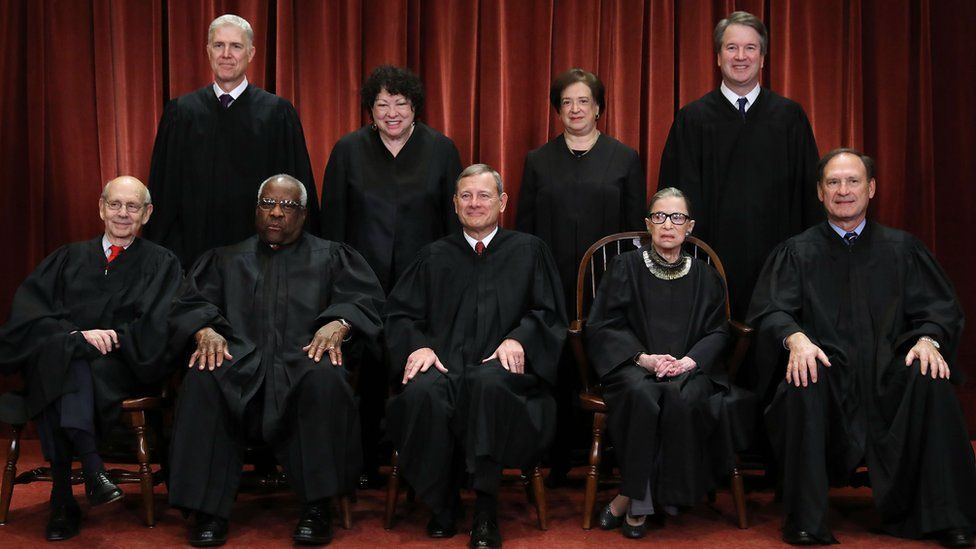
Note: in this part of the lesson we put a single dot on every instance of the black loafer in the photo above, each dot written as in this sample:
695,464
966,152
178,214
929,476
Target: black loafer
315,525
799,537
485,534
956,537
634,532
209,531
609,521
64,523
100,490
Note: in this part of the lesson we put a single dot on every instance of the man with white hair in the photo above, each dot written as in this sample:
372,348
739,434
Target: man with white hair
87,329
215,145
263,322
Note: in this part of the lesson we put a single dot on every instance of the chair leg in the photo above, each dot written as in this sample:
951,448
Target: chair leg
345,509
392,488
138,420
539,494
593,473
739,497
9,473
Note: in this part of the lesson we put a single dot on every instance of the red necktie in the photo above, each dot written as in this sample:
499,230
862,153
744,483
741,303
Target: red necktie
114,252
479,248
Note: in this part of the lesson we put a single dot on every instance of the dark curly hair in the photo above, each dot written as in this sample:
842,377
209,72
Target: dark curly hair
571,77
396,81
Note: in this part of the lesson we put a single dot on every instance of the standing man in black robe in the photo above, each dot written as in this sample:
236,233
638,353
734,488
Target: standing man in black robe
871,324
477,324
746,158
214,146
261,316
87,329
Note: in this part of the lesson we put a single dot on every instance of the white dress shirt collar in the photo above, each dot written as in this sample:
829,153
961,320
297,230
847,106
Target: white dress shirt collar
486,240
234,93
734,97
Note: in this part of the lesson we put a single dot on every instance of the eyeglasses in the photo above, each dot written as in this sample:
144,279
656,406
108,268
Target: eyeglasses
287,206
677,218
130,207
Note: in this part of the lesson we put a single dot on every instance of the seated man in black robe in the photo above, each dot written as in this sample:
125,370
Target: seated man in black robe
871,324
88,329
267,318
477,323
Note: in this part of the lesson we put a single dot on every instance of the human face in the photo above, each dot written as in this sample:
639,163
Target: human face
577,110
667,237
741,58
393,115
276,226
229,52
121,225
478,204
845,190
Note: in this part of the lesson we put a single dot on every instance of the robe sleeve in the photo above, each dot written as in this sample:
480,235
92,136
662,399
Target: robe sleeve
681,163
165,183
335,188
406,312
805,155
774,312
610,340
452,169
143,341
525,215
292,154
707,351
635,204
198,304
542,329
355,295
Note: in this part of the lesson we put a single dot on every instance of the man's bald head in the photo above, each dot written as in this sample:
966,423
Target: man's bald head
125,205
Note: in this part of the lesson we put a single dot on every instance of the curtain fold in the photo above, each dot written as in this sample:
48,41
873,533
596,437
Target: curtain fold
86,81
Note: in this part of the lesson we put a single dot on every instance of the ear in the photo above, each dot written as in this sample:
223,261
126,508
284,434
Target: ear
647,223
250,54
147,213
691,225
871,188
504,200
101,209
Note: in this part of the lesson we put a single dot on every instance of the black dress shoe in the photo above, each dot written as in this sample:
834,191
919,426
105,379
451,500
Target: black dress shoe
956,537
609,521
315,526
634,531
438,530
485,534
65,521
799,537
100,490
209,531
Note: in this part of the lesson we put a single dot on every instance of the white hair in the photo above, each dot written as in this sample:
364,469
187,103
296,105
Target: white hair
283,178
231,19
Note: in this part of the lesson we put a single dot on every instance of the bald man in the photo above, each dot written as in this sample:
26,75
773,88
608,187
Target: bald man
86,330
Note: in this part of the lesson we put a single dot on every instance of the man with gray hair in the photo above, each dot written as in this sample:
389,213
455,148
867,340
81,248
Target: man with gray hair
264,323
474,327
216,144
745,157
87,329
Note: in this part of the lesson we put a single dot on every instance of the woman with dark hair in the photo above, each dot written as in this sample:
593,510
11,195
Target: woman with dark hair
656,335
576,189
387,192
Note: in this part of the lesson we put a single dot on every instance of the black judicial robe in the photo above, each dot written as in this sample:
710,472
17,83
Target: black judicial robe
751,184
268,304
387,207
570,202
208,163
74,290
866,305
686,444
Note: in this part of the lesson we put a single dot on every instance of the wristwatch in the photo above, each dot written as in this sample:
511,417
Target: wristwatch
930,340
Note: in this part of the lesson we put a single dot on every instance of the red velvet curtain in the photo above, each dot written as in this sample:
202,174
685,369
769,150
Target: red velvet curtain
84,83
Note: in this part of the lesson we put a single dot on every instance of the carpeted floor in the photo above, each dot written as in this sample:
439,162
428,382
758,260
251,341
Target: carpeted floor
266,520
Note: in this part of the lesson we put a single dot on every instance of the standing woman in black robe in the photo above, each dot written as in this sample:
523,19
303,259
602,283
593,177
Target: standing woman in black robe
576,189
387,192
655,335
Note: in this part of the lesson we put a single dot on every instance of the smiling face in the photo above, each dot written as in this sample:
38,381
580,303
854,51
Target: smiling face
230,52
278,226
478,204
741,58
845,190
392,114
121,195
577,110
668,237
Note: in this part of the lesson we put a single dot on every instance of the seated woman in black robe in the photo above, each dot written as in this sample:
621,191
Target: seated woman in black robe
655,336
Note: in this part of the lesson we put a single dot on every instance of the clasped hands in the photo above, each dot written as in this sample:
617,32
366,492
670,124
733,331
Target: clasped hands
105,341
211,351
801,368
665,365
509,353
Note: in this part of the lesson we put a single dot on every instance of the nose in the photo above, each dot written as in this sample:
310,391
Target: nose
277,211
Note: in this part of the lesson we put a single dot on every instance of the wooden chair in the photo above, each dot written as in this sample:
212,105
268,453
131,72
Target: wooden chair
594,263
134,412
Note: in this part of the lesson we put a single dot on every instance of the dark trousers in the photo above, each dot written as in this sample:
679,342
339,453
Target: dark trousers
74,411
319,447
